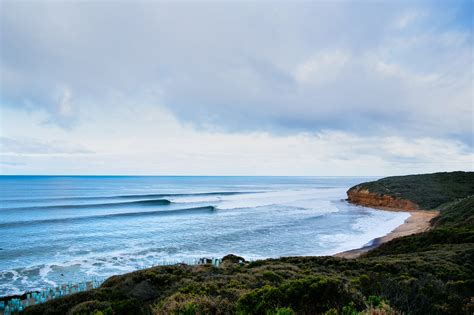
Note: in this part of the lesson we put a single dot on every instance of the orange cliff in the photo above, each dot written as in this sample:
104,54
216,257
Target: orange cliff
363,197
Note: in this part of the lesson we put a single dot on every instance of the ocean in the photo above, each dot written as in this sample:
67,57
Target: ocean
60,229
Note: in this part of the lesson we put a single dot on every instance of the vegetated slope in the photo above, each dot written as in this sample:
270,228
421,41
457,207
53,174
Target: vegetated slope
456,214
427,273
453,228
427,191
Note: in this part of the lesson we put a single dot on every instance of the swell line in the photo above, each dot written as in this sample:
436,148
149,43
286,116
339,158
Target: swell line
151,202
138,196
205,209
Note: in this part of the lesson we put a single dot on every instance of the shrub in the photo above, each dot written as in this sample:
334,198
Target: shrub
306,295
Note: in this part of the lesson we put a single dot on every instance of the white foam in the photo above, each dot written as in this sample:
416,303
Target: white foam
193,199
43,272
15,275
287,197
377,224
272,223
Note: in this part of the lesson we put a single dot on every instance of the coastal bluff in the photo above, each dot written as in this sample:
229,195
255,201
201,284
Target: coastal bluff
413,192
363,197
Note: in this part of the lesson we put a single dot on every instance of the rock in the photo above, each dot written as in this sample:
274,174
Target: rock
363,197
233,259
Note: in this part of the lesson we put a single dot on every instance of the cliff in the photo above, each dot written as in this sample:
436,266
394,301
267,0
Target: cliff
362,196
412,192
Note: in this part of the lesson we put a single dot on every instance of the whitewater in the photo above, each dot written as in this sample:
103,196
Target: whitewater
60,229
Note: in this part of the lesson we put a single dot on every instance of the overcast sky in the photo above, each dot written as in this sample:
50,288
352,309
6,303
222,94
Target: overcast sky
237,88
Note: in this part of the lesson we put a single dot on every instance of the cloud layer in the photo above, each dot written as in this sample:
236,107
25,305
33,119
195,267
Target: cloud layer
246,65
158,144
342,72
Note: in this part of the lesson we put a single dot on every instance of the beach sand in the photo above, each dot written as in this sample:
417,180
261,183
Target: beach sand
419,221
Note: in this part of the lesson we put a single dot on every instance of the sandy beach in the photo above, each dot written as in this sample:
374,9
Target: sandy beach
419,221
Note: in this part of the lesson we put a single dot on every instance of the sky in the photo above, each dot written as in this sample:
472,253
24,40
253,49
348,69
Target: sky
341,88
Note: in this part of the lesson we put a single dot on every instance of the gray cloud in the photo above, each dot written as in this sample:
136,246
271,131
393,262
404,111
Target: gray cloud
369,68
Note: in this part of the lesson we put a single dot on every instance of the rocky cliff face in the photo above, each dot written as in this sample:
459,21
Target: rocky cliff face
362,196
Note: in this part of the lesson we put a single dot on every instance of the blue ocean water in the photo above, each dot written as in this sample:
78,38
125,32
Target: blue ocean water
56,229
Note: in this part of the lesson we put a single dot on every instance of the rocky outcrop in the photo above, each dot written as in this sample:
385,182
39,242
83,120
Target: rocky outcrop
233,259
361,196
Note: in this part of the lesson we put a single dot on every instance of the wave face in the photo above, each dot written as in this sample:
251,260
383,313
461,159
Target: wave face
60,229
136,196
151,202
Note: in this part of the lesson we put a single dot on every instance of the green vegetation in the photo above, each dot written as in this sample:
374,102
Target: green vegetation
456,214
429,191
427,273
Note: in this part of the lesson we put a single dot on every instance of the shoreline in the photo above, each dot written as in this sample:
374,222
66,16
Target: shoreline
417,222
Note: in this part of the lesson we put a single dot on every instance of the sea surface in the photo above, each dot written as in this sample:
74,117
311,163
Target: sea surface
60,229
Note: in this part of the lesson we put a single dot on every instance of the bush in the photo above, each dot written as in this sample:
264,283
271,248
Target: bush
90,307
306,295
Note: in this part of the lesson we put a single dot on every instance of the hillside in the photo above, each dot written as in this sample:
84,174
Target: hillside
427,273
427,191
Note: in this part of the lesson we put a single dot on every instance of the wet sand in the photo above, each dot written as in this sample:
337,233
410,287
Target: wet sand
419,221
